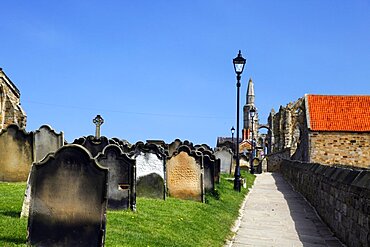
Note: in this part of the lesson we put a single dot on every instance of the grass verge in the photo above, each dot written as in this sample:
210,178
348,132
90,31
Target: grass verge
172,222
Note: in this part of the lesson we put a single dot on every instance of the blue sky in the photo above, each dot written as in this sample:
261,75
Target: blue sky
163,69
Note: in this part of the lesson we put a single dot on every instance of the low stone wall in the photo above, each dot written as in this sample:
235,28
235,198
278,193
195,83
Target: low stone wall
274,159
341,196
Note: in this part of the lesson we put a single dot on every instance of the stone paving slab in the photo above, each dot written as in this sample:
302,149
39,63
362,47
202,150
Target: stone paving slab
275,215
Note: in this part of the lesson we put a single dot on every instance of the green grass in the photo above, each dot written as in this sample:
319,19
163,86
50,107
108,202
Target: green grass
171,222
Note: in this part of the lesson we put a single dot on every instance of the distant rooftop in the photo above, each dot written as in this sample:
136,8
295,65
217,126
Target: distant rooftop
338,113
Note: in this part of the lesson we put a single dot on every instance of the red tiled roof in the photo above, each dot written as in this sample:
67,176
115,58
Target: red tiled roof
339,113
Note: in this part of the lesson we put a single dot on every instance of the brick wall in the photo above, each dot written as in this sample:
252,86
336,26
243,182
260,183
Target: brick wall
341,196
340,148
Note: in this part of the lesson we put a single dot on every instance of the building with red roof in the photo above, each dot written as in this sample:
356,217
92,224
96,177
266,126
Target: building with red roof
326,129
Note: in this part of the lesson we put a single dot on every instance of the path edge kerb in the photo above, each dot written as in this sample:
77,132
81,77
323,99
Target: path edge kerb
235,227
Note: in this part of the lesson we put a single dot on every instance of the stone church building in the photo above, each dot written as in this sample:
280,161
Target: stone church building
326,129
11,111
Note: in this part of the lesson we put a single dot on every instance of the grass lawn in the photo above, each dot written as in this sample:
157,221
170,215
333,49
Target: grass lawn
171,222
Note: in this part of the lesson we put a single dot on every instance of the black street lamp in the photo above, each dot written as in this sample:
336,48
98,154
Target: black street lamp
239,63
252,113
232,139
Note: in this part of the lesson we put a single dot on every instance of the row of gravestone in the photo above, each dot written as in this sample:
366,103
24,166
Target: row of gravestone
179,169
19,149
70,189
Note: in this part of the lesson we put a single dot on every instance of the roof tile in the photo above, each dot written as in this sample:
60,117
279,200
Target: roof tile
339,113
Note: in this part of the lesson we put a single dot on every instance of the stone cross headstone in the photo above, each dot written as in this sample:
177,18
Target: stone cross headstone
122,182
150,176
185,174
98,121
16,154
68,200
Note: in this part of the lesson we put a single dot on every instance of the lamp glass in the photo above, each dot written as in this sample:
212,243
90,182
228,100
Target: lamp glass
239,63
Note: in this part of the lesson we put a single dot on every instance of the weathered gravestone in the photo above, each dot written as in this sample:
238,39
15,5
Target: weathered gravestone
93,144
46,140
15,154
211,166
209,171
68,200
226,156
185,174
121,185
150,176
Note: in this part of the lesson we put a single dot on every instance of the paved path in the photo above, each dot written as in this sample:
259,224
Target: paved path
275,215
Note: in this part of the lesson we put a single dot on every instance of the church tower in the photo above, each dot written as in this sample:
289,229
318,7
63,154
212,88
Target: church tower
249,104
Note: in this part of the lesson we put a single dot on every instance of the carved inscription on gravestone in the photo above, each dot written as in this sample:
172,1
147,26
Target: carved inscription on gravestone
184,177
68,200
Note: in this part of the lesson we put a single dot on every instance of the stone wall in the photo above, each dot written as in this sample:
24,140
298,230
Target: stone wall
274,160
341,196
287,125
340,148
11,111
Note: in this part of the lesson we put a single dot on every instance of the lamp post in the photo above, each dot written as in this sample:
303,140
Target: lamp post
239,63
232,139
252,113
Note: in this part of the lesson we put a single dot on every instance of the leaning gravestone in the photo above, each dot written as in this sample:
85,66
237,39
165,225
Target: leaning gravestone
150,176
68,200
185,174
121,185
226,156
15,154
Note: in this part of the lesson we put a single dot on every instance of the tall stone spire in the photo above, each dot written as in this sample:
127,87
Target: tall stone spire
249,104
250,93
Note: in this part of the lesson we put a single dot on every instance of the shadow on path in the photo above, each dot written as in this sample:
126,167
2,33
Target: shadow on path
311,230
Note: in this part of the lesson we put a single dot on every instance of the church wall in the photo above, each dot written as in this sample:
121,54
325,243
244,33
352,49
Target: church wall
10,109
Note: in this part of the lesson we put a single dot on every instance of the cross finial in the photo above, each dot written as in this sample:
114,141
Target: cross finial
98,121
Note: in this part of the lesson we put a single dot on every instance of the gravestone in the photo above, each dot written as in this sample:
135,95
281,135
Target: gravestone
93,144
209,171
68,200
185,174
46,140
15,154
121,182
150,176
217,170
173,146
226,156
